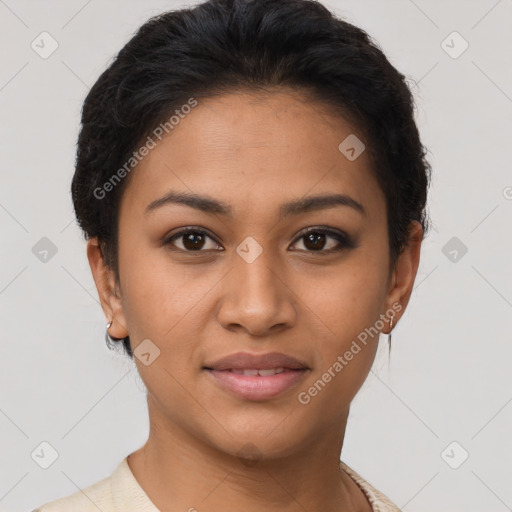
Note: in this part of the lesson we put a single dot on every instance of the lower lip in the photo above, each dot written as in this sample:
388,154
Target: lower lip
251,387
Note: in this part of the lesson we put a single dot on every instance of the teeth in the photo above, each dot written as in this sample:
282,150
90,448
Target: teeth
262,373
271,371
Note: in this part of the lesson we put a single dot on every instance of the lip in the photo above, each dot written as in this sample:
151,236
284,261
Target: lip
257,388
245,361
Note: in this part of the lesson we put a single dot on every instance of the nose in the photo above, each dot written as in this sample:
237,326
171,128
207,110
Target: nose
256,298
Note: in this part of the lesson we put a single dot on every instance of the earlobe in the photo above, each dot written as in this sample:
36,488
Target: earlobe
109,297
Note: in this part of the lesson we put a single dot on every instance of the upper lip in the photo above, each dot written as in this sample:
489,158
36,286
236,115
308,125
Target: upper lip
246,361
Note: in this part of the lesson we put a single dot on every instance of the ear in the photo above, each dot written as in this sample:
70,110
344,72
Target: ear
109,294
404,272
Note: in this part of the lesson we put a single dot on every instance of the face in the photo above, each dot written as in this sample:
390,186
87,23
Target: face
255,267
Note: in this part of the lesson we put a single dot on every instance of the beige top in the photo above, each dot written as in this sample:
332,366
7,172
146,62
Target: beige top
120,492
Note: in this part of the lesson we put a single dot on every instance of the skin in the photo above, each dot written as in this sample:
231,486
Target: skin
254,153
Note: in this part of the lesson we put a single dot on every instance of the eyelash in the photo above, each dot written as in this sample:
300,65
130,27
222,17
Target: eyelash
343,239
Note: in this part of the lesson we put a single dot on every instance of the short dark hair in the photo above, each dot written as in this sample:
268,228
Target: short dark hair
221,46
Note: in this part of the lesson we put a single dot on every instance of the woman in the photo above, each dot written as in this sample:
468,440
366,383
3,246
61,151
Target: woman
252,186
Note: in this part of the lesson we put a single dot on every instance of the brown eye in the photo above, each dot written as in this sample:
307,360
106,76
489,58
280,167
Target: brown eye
192,240
314,241
324,240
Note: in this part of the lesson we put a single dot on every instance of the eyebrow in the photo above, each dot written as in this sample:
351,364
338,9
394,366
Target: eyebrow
296,207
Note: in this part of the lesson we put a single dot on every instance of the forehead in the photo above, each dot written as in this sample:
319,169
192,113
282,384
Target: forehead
241,146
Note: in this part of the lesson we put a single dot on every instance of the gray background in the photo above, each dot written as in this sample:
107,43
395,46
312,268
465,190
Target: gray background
449,376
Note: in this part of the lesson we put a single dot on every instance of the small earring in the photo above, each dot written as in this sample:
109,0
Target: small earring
108,340
390,330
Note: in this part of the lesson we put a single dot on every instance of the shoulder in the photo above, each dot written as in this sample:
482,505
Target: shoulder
89,499
378,500
119,492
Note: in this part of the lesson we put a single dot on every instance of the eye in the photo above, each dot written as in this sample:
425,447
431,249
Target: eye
316,239
192,240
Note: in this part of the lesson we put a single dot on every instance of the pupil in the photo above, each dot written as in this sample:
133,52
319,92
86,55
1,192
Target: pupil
194,239
315,238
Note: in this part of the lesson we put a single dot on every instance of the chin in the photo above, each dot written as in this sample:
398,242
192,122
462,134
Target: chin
261,436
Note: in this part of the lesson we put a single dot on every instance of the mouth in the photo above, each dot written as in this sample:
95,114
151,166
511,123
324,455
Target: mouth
254,372
257,377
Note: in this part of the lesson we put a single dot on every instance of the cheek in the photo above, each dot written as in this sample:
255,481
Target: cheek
346,308
348,300
163,304
343,363
156,294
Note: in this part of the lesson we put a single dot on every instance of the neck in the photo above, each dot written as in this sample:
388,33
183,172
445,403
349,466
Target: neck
181,471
